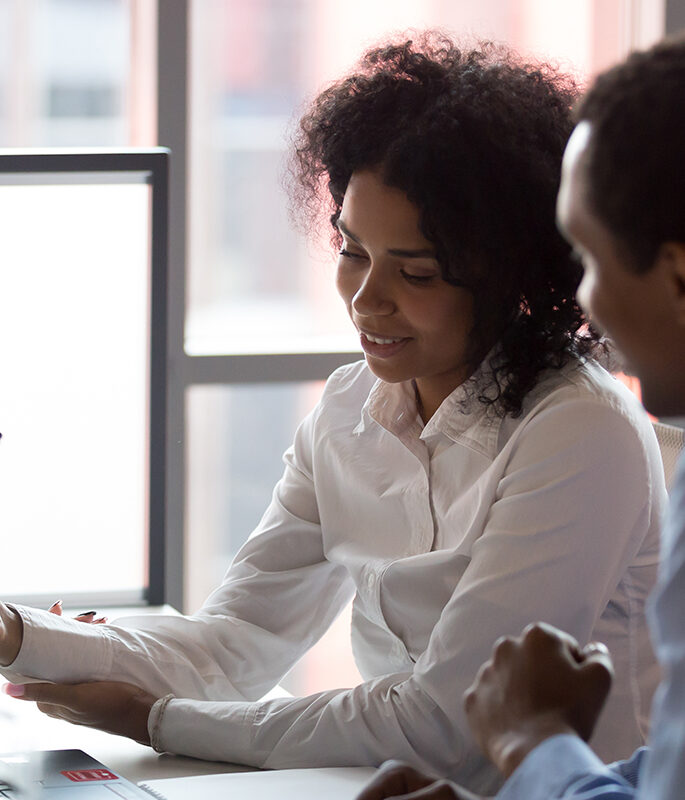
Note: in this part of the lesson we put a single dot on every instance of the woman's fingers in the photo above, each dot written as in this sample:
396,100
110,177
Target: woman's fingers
85,616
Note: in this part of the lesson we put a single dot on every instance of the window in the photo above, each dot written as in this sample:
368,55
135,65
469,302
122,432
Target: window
66,72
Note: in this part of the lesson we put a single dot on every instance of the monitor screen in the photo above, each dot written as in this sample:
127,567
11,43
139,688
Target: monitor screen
82,353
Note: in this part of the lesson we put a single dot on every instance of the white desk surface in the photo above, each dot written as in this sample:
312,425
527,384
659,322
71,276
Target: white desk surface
33,730
30,729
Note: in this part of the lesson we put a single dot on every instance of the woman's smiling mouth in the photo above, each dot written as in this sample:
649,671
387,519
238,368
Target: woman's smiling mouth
381,346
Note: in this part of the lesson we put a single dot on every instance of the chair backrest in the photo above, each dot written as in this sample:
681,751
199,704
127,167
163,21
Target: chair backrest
671,442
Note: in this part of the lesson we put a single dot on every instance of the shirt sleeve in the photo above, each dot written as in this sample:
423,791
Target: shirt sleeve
558,539
565,768
279,596
665,771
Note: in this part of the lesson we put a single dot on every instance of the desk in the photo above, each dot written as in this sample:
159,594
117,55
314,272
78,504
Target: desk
31,730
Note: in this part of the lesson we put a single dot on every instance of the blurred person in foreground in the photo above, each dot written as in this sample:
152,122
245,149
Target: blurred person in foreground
621,204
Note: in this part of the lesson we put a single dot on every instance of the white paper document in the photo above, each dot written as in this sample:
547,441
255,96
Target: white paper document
332,783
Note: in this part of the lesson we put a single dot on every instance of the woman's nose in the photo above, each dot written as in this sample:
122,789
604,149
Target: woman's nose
373,296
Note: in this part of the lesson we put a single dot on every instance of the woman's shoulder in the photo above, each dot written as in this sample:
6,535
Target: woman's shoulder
583,396
585,409
584,382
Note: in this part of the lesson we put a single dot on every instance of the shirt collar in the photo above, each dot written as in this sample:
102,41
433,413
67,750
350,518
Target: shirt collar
461,417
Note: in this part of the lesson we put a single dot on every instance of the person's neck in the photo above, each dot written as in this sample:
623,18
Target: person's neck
431,393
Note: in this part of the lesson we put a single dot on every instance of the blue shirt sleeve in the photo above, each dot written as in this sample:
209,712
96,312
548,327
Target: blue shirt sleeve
664,773
565,768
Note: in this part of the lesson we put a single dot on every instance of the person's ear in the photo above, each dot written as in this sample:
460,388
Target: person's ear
672,260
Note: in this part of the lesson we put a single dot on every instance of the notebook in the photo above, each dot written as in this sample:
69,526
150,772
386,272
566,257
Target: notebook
62,775
331,783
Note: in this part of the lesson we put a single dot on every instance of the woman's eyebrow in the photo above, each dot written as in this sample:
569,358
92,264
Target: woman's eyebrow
340,225
424,252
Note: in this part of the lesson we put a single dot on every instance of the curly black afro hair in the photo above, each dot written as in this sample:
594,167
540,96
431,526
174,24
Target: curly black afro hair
475,139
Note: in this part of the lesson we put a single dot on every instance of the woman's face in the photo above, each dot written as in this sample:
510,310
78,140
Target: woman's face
412,324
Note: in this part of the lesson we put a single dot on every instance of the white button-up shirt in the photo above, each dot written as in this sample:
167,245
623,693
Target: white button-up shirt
447,536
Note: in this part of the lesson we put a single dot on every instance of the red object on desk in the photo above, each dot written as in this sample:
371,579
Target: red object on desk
80,775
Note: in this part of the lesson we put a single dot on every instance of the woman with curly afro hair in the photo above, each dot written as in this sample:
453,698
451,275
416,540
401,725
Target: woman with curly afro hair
478,470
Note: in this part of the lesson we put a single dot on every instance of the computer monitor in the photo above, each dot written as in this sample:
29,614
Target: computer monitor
83,353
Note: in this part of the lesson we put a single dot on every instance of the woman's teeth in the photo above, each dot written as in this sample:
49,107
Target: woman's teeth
378,340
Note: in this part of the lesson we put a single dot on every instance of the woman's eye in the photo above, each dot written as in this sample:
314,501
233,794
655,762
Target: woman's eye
417,279
345,253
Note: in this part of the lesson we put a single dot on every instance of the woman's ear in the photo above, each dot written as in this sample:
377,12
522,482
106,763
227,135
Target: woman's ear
671,259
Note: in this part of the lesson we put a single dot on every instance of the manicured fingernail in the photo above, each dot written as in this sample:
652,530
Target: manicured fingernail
14,689
87,614
55,604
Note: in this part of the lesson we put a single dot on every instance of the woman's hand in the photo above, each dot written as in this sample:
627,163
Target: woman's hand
11,634
110,706
403,782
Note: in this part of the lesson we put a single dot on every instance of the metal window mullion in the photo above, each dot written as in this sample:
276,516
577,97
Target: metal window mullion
261,368
172,123
173,113
675,16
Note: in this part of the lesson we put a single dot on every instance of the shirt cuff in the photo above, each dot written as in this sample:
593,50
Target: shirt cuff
213,731
551,767
60,649
154,722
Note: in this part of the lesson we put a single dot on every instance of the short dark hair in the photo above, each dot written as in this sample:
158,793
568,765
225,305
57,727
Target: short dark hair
475,138
635,159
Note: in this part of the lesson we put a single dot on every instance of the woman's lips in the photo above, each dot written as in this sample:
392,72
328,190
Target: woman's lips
381,346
